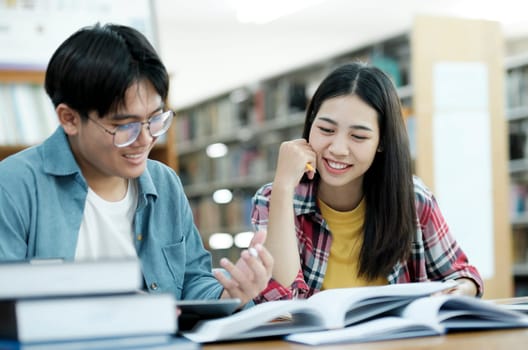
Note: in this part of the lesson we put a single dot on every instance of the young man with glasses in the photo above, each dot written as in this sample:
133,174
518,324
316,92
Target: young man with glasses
89,190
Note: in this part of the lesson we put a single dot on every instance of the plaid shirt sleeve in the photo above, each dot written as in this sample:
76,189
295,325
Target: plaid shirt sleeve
436,254
259,219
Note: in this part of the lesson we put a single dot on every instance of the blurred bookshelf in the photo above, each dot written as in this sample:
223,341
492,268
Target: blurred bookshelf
250,123
516,66
27,115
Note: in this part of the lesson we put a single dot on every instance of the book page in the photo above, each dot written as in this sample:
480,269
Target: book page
257,321
461,312
389,327
345,306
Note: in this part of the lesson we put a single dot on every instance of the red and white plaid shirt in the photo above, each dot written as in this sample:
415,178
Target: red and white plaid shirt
435,254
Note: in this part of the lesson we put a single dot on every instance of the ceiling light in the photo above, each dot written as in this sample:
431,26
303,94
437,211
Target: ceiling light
216,150
220,241
243,239
222,196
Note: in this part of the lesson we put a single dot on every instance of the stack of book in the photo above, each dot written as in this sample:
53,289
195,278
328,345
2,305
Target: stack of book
81,305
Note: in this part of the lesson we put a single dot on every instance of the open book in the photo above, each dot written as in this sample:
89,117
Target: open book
422,317
329,309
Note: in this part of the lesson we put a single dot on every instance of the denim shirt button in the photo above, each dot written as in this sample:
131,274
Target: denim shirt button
153,286
139,237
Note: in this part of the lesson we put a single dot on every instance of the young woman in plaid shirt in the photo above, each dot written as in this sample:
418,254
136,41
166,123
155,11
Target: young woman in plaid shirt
344,209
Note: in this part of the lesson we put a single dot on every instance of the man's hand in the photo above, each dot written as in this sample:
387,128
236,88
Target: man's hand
250,275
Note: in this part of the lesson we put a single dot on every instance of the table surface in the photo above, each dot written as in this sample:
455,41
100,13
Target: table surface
510,339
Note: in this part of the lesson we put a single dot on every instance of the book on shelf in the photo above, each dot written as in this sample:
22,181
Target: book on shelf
27,115
514,87
11,131
209,215
426,316
83,317
50,120
328,309
259,107
4,128
55,277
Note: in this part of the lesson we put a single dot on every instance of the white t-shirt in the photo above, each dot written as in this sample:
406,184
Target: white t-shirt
107,227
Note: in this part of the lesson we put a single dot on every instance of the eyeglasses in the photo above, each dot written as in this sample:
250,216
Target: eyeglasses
126,134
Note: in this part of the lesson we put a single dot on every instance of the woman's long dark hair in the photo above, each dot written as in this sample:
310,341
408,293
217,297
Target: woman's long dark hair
390,220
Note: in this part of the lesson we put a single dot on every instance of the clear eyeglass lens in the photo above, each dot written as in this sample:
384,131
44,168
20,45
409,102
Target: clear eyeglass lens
128,133
159,124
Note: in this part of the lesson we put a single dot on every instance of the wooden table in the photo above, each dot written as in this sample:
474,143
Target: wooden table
512,339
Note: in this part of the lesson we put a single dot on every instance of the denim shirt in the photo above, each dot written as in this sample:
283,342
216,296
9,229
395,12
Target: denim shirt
42,199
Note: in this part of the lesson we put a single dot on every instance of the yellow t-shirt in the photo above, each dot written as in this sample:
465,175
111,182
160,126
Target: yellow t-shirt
347,238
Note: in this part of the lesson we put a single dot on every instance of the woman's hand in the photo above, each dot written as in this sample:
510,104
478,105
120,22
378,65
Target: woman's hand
464,286
292,163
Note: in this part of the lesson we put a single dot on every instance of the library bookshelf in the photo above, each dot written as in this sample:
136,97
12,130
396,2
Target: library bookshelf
252,121
20,91
517,116
27,116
